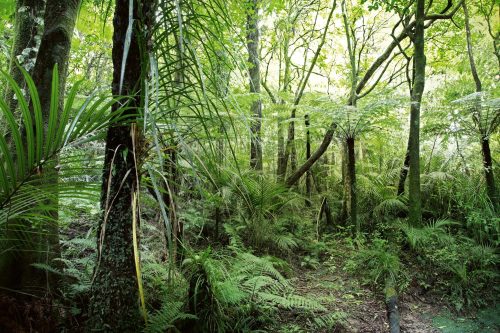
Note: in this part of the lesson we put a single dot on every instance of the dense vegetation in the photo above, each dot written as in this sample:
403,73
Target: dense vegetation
249,166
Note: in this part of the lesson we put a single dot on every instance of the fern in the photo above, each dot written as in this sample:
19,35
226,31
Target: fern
165,319
328,321
237,286
434,231
391,206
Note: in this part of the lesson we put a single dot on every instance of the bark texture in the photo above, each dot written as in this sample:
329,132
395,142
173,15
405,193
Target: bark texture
114,305
308,156
43,245
415,204
295,176
404,171
391,303
254,72
488,171
352,207
27,35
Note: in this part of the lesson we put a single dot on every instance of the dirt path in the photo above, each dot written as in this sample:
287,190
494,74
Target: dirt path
364,309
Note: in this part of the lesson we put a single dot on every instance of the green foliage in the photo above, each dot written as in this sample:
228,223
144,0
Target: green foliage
458,265
163,320
236,293
377,262
435,231
36,170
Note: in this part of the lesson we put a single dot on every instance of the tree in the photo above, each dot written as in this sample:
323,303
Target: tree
114,305
254,74
27,35
55,45
415,201
484,131
380,65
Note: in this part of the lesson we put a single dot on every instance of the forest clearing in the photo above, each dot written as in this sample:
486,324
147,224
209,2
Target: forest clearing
285,166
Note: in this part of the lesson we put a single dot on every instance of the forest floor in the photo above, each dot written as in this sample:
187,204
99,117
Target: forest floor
363,309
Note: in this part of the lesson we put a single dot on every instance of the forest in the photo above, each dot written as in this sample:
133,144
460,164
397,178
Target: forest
249,166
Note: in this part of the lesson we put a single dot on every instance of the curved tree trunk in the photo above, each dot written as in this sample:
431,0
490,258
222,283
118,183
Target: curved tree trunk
447,13
114,303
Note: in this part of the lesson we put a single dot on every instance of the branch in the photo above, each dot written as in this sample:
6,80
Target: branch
269,92
399,38
293,178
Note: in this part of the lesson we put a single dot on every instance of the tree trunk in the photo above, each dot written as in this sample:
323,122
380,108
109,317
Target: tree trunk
282,157
472,64
485,143
352,209
114,303
488,172
27,35
415,204
295,176
446,13
290,150
254,71
55,45
404,171
391,303
281,152
308,156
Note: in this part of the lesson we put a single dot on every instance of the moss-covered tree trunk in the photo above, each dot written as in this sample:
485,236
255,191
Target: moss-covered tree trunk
114,305
41,244
254,73
415,204
403,173
28,30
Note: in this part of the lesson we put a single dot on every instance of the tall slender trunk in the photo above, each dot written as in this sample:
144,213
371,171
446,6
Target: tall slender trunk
485,142
114,303
352,208
404,171
488,171
281,152
349,174
308,155
55,46
415,204
282,157
254,71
